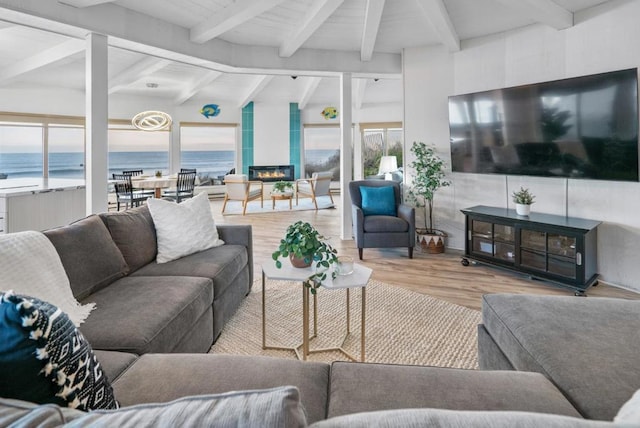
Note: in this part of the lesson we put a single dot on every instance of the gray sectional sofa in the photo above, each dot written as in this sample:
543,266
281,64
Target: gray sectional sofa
546,361
143,306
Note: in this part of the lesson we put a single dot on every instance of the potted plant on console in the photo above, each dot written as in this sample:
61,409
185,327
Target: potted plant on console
304,246
523,200
428,177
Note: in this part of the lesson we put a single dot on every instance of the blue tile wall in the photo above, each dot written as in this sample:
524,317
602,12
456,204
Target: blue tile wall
295,148
247,137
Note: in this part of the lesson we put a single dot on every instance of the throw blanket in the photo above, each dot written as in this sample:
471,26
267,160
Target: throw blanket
30,265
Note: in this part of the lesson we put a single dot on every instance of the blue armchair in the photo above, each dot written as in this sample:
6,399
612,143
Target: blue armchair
386,230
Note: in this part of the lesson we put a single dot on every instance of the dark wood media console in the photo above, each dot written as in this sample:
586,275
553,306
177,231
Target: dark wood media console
562,250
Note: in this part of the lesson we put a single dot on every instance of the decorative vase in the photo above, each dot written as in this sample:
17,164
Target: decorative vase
522,209
431,241
299,262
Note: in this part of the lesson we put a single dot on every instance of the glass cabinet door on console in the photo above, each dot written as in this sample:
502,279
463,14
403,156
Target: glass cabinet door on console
492,240
554,253
555,248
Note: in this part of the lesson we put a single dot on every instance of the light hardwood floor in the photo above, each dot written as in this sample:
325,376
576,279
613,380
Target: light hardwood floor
441,276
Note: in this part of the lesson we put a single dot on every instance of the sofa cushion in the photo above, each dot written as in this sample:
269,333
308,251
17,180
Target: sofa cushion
184,228
217,373
134,234
358,387
114,363
438,418
147,314
277,407
563,337
384,224
45,359
89,256
220,264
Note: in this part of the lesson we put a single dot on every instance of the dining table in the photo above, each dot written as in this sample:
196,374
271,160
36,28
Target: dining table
156,183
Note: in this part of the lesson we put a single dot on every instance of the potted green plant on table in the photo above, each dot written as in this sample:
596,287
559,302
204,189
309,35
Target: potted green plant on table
304,246
523,200
428,177
282,188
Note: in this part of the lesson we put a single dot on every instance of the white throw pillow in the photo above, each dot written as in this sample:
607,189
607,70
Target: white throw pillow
629,413
184,228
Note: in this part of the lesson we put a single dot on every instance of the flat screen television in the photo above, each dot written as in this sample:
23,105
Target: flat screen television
583,127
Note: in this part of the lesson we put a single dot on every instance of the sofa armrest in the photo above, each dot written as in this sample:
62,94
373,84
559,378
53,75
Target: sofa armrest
357,217
408,214
239,235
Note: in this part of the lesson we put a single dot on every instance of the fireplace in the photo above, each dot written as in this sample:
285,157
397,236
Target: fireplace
268,173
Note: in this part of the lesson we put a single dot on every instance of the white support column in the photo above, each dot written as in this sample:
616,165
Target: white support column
346,164
175,156
358,167
97,114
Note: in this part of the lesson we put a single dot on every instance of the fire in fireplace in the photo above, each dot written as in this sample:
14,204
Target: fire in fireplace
268,173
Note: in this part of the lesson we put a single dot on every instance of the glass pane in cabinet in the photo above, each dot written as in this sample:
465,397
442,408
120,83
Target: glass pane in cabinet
562,245
562,266
533,239
482,246
481,228
505,251
503,233
533,260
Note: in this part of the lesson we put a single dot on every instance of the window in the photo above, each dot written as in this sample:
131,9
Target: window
21,149
210,149
131,148
384,139
66,151
322,150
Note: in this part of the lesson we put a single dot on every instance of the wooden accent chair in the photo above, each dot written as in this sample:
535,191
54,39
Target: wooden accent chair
239,188
317,185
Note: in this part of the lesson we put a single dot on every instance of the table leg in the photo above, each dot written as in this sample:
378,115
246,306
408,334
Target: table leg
305,322
315,314
290,203
158,194
273,203
264,319
362,323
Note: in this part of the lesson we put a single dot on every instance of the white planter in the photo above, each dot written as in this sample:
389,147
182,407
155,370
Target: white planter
522,209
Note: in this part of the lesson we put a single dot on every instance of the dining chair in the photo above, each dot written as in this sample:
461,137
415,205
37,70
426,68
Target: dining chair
136,173
239,188
184,187
188,170
317,185
125,193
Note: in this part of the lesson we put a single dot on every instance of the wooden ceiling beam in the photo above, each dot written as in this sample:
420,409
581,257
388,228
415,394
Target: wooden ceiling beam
437,16
542,11
135,72
317,15
46,57
198,85
372,18
84,3
309,90
260,83
230,17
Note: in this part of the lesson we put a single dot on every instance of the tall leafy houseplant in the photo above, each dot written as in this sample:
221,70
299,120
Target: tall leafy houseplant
429,176
304,246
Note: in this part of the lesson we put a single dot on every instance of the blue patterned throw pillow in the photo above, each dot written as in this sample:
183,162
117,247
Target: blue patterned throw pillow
378,200
45,359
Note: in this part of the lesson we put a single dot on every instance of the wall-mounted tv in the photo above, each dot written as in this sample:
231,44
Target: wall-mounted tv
583,127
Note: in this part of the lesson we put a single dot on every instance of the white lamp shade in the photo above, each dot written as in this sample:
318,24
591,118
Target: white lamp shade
388,164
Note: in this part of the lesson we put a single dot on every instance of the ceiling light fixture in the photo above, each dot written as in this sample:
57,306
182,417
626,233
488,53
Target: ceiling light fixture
294,77
152,120
152,85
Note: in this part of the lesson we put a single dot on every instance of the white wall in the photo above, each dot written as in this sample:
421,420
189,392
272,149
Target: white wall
383,112
603,39
271,134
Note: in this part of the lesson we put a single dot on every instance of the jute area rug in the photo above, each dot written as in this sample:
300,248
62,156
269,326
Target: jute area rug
402,327
253,207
